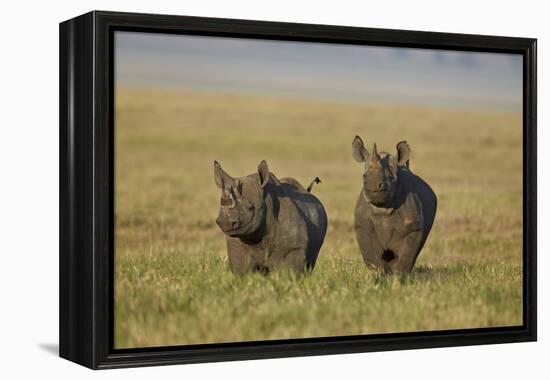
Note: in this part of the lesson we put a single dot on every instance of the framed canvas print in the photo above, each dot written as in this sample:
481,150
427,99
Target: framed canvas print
236,189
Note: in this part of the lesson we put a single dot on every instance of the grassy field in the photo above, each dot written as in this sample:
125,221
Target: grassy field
172,282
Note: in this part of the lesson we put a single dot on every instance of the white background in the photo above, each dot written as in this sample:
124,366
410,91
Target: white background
29,188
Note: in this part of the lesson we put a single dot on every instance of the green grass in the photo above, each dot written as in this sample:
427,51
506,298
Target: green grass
172,282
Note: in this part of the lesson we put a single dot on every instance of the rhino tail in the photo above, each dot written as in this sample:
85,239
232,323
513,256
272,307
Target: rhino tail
315,181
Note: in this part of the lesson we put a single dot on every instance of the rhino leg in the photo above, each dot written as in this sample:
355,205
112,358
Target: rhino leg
407,253
371,250
240,263
296,260
243,259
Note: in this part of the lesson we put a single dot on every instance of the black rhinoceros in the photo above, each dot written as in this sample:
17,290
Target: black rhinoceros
269,223
395,210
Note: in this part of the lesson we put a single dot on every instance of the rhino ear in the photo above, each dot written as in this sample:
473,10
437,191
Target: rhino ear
358,150
221,177
403,154
263,172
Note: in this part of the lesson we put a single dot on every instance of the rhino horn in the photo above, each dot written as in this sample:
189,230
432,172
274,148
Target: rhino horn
374,158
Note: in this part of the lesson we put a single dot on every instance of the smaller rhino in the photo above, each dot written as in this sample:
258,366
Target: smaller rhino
269,223
395,210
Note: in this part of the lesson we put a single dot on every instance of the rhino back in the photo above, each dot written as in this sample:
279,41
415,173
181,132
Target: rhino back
411,183
308,204
311,210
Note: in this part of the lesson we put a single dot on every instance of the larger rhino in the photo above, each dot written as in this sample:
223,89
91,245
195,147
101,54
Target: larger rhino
269,223
395,210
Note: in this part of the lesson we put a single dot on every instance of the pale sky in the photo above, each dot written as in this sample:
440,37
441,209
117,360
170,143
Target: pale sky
319,70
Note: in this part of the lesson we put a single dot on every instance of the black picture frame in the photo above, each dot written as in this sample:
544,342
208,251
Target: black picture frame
86,189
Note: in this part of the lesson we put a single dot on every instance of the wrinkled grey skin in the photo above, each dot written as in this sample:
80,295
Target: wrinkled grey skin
395,210
269,223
